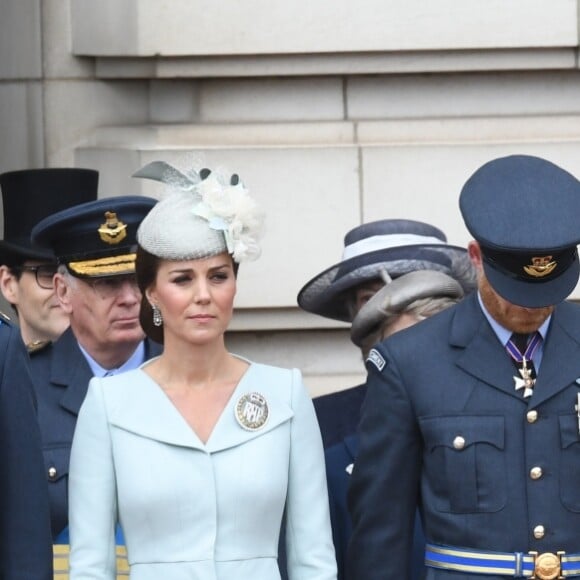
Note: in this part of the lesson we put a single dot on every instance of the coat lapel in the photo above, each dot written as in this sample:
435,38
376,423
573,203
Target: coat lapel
483,356
157,418
154,418
70,370
561,359
267,381
351,445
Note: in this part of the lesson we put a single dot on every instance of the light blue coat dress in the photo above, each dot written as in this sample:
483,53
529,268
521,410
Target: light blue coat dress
191,510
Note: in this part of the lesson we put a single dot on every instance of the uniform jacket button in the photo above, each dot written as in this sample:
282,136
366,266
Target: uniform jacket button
52,473
459,442
539,532
536,472
532,416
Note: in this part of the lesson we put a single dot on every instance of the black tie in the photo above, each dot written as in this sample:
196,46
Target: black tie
521,341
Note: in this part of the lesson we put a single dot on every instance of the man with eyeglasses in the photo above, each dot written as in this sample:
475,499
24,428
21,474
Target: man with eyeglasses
95,284
27,271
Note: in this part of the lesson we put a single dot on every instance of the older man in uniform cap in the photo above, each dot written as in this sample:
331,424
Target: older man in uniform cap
27,271
476,424
95,247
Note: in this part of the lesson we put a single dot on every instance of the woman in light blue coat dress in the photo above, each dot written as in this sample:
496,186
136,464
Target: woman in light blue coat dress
198,453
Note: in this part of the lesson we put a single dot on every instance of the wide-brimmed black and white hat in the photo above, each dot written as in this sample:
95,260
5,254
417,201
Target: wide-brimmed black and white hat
381,250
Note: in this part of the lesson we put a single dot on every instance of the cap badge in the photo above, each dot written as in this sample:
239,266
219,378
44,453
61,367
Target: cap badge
113,230
252,411
541,266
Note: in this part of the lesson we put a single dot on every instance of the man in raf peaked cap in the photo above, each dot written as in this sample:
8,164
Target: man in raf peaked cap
27,270
473,415
94,244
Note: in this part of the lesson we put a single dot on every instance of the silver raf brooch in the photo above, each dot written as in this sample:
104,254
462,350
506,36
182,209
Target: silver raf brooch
252,411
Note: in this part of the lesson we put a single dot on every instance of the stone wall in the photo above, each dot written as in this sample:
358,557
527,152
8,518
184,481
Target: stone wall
332,113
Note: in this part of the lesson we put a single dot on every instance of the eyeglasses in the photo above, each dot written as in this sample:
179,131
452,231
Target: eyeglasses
111,286
44,274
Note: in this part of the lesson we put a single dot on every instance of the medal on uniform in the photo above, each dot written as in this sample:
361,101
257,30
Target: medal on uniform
527,378
252,411
526,381
577,408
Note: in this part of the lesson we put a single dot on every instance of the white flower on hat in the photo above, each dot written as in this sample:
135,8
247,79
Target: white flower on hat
228,207
223,202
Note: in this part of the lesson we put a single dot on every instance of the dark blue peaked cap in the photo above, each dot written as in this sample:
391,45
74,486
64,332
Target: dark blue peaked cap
523,211
98,238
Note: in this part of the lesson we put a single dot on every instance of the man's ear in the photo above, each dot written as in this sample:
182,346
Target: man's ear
9,285
62,291
474,251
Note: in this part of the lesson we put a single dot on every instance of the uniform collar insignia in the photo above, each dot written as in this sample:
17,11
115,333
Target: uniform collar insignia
36,345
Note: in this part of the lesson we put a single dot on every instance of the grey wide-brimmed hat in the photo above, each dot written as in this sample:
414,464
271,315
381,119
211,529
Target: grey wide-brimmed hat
523,211
393,247
393,298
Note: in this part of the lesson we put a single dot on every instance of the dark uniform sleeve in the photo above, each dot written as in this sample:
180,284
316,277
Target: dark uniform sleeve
25,539
384,485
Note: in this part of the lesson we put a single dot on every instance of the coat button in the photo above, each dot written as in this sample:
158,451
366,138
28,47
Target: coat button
539,532
536,472
52,473
532,416
459,442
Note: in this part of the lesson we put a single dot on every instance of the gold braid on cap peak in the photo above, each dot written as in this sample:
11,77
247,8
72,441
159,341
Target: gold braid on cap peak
103,266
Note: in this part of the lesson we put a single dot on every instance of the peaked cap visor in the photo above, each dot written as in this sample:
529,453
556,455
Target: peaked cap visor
95,239
525,206
536,294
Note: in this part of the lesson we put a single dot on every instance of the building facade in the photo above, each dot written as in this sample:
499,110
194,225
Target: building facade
333,113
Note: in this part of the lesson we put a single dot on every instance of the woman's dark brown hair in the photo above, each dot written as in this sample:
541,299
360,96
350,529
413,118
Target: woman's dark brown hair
146,267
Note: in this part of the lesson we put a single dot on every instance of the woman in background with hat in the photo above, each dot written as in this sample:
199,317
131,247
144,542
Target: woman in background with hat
394,273
199,452
374,254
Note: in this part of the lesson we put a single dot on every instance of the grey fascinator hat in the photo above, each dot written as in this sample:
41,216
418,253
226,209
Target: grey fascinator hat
397,295
203,214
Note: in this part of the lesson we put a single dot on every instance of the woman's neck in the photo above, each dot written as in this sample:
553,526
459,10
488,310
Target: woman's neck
196,366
